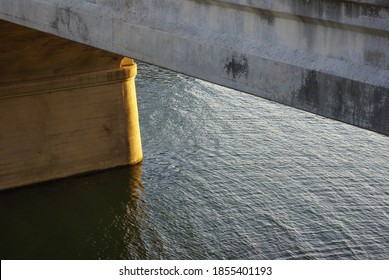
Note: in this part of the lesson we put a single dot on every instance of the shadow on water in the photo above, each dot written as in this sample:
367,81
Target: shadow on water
100,216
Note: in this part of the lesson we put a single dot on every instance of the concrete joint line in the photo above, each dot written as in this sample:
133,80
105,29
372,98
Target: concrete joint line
68,82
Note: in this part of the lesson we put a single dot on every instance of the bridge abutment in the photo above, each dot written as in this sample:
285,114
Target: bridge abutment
65,108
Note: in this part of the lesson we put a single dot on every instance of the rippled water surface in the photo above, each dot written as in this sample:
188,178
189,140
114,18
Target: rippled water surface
226,175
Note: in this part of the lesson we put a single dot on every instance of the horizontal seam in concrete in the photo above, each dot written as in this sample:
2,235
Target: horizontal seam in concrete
66,82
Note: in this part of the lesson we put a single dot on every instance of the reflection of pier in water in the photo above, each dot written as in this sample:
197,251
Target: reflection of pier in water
66,222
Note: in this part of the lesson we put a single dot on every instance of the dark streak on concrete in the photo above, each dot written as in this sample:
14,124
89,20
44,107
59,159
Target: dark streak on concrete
381,109
309,91
237,66
371,11
267,16
375,58
65,18
346,100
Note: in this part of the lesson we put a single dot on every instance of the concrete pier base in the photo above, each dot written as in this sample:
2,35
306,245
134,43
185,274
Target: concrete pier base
54,124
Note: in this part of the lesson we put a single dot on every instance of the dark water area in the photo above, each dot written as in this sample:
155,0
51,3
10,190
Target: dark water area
225,175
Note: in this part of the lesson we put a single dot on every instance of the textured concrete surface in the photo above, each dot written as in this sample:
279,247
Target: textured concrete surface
63,111
325,56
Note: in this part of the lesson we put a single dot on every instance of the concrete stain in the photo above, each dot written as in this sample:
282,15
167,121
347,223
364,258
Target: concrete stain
267,16
380,114
309,91
65,18
236,66
375,58
370,11
340,100
351,101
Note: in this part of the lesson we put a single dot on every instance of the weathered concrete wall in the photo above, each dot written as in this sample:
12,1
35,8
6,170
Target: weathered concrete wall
63,108
325,56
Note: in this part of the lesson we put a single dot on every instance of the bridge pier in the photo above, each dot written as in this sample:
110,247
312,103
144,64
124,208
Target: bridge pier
65,108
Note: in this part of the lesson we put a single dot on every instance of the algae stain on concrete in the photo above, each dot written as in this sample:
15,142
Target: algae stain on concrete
236,66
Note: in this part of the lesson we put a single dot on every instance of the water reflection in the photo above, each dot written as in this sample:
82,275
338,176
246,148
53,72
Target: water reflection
102,216
135,184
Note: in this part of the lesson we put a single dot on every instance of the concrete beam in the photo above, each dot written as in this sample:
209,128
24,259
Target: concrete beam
327,57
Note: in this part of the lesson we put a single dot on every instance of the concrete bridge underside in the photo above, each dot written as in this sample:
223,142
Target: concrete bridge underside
329,57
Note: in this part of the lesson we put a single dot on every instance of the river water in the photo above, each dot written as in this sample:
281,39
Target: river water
226,175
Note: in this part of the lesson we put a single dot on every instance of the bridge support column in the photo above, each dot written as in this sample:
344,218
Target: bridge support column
135,154
65,108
